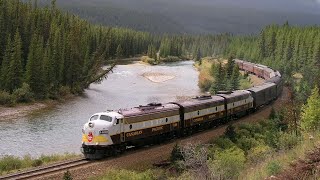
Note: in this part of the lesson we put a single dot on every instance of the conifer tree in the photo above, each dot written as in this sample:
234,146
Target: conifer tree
34,69
15,71
310,116
5,82
235,78
119,53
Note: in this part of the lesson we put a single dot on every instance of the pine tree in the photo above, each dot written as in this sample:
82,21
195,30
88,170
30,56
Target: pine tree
235,78
219,80
119,53
15,72
34,69
5,82
230,66
310,116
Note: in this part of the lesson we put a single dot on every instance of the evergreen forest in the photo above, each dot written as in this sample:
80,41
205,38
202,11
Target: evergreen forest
46,52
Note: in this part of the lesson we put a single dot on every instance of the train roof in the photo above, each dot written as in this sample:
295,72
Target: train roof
148,109
202,100
261,87
275,79
236,95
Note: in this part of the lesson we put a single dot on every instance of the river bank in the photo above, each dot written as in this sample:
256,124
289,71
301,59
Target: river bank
25,109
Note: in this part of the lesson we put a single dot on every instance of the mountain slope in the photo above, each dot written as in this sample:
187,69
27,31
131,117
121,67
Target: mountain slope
202,16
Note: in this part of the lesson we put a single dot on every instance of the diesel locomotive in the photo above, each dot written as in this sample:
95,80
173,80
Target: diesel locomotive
111,132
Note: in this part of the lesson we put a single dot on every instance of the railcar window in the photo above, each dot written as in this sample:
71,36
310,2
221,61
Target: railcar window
95,117
106,118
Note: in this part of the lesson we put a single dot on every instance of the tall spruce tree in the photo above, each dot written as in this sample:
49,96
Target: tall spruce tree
35,75
15,72
5,82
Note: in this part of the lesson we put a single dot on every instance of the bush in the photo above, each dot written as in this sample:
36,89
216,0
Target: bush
67,175
176,154
6,98
288,140
258,153
23,94
204,84
230,162
273,168
245,84
64,91
171,59
247,143
224,143
148,60
9,163
37,162
231,133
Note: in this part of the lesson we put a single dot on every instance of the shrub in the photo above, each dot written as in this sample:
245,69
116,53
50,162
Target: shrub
204,84
23,94
231,133
64,91
9,163
176,154
67,175
6,98
224,143
272,138
230,162
171,59
37,162
247,143
273,168
245,84
148,60
288,140
258,153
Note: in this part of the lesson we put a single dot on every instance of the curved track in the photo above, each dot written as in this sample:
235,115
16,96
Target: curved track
46,170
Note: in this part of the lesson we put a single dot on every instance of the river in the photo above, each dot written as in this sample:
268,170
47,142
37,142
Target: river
57,129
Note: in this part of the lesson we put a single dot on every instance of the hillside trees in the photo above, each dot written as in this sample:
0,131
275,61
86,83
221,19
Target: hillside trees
49,49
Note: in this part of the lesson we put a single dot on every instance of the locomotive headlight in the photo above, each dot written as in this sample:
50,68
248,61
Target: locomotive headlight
104,132
91,124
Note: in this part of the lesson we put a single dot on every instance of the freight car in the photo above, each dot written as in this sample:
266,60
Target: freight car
112,132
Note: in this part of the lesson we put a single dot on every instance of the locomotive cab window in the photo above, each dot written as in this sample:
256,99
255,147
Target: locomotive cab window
106,118
95,117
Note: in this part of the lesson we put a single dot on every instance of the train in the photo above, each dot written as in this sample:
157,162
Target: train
112,132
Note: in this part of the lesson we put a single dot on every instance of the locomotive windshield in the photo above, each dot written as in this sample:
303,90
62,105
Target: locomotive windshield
95,117
106,118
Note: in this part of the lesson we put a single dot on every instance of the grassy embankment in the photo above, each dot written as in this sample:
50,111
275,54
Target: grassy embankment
10,164
206,78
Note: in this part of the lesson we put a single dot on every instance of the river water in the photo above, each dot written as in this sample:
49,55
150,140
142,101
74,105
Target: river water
57,129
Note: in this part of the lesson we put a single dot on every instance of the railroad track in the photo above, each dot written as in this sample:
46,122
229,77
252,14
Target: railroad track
42,171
